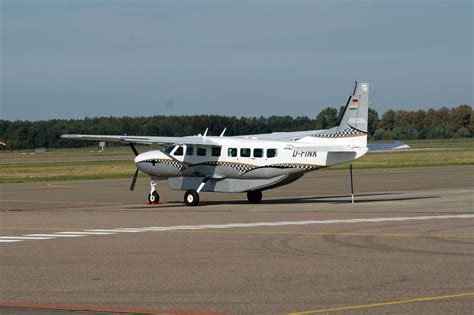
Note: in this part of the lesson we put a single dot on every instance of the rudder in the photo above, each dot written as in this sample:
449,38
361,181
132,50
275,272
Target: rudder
356,112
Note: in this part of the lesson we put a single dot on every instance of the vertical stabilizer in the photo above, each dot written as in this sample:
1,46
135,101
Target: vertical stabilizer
352,129
356,112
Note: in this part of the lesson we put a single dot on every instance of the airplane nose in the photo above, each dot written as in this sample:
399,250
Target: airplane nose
144,162
139,158
140,161
145,156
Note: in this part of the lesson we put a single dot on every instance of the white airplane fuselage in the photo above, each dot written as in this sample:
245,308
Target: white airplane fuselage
242,159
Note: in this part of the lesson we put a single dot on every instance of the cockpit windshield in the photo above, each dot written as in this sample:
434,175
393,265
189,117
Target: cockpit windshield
168,148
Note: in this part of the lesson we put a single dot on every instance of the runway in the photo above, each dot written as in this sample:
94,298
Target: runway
405,246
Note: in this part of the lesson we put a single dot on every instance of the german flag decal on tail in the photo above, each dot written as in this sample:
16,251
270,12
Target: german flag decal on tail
354,104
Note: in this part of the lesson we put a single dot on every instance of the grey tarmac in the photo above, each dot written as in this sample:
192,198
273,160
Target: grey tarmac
410,251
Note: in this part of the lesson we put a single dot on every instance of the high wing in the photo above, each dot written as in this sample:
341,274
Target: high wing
281,136
199,140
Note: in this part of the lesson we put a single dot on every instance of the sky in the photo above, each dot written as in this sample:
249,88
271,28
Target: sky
72,59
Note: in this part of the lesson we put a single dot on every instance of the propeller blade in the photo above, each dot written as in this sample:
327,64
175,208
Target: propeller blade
133,149
134,180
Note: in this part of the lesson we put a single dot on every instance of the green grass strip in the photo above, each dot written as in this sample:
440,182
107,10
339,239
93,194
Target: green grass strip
53,171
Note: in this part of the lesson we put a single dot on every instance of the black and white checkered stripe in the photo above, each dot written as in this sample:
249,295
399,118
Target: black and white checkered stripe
290,165
172,163
241,168
348,132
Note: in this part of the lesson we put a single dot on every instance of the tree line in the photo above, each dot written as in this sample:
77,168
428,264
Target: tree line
445,122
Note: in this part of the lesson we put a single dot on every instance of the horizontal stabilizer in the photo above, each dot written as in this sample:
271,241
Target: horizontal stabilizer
325,148
396,145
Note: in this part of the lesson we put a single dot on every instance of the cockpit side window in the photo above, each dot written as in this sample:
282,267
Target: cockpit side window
179,151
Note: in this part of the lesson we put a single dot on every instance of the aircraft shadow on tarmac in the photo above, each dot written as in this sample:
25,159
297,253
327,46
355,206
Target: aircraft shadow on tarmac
338,199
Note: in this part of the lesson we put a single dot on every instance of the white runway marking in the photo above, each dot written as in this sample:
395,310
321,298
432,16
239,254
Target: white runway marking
115,231
308,222
99,232
25,237
118,230
54,235
88,233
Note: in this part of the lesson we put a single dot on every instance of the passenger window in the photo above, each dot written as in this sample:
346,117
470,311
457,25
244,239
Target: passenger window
189,150
258,153
216,151
232,152
245,152
271,153
179,151
201,151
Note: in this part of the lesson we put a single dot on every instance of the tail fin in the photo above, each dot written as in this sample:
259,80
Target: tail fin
356,111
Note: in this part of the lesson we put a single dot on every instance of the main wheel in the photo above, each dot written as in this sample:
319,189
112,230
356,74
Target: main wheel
154,197
254,196
191,198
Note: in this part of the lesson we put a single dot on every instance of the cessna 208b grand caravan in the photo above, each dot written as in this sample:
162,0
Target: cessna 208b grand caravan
248,164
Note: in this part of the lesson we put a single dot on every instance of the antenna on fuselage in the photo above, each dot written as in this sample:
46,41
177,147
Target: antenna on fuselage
223,131
205,133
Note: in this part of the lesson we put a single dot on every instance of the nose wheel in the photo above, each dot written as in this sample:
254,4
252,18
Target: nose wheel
153,196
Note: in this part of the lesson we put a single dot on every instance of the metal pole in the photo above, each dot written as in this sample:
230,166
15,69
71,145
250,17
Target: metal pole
352,184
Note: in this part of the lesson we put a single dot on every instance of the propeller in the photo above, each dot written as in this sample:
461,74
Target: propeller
134,179
133,149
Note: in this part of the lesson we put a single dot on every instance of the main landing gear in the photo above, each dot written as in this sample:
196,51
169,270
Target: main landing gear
254,196
153,196
191,196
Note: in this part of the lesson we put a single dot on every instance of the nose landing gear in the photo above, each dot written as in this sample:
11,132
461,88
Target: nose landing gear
153,196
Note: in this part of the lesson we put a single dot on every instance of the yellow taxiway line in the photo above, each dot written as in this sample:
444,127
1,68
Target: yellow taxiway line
353,307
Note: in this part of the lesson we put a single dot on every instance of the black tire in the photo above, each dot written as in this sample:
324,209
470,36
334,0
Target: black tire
254,196
191,198
153,198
